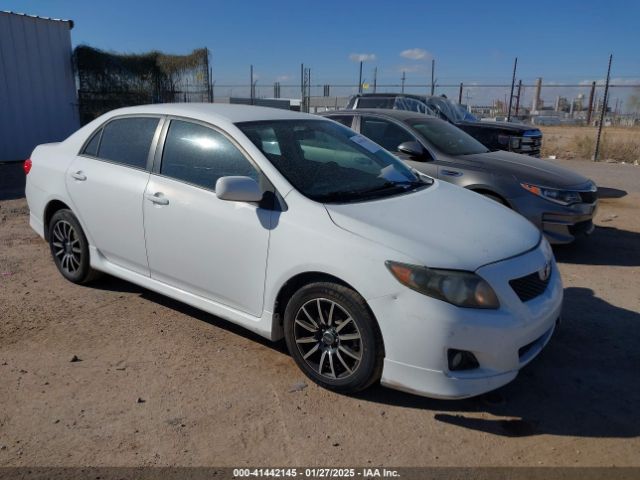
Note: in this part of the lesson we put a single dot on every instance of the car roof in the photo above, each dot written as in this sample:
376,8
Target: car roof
402,115
392,94
214,112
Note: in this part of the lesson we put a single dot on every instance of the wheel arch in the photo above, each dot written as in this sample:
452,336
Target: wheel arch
50,209
295,283
482,189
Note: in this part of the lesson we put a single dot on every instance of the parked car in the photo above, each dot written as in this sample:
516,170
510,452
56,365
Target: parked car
294,226
560,202
509,136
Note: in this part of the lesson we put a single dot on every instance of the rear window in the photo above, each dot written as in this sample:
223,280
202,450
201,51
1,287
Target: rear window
127,141
92,146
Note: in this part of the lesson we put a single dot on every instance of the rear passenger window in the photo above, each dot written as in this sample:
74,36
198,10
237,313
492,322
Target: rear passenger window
127,141
346,120
92,146
199,155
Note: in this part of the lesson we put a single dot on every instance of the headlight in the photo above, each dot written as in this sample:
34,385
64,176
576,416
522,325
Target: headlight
463,289
563,197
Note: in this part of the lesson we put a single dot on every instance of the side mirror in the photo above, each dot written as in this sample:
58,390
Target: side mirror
413,149
238,189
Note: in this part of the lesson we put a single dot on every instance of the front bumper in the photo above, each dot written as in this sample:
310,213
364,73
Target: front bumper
560,224
419,330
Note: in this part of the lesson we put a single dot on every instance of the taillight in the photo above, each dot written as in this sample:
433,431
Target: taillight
27,166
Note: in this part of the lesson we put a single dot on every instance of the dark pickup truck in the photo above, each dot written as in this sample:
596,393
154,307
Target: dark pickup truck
509,136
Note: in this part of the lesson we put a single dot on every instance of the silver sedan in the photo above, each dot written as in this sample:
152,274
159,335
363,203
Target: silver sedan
560,202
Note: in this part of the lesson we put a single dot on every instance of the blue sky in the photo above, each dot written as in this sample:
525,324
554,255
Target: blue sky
472,41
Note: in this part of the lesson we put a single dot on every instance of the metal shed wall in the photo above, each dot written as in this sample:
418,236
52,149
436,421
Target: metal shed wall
37,86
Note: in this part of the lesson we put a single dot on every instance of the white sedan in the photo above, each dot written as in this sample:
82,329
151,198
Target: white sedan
294,226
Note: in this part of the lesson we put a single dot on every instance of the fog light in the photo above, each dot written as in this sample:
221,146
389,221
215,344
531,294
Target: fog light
461,360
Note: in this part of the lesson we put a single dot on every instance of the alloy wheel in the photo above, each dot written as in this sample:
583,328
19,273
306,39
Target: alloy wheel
328,338
66,247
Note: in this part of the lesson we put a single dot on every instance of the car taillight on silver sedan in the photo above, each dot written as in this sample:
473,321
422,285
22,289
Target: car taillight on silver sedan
463,289
563,197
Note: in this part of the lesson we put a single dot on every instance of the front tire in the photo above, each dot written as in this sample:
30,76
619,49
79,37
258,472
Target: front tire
333,337
495,198
70,248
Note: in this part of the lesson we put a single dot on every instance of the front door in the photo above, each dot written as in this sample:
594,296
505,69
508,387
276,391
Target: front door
213,248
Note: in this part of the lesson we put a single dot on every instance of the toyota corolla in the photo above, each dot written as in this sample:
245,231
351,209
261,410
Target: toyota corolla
295,226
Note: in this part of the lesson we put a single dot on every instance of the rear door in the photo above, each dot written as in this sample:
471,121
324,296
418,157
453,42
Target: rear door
106,182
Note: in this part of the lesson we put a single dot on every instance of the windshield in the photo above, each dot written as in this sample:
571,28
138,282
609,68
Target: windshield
449,110
465,114
447,138
328,162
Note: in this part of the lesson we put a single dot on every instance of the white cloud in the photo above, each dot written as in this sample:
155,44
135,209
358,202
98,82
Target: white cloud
362,57
416,54
283,78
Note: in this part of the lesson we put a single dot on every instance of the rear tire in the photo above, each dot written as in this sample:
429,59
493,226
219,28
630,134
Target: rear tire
333,337
70,248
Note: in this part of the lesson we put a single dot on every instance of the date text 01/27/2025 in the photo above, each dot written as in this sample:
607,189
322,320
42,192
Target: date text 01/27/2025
315,473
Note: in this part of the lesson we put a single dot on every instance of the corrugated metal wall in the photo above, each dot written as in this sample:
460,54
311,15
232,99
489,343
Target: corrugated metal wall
37,86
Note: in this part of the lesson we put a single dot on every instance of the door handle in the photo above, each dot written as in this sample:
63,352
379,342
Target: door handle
157,198
451,173
79,176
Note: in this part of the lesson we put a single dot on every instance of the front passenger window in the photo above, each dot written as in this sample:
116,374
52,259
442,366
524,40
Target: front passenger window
386,134
200,155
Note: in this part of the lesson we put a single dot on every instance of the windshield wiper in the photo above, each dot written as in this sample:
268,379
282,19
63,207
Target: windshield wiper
389,187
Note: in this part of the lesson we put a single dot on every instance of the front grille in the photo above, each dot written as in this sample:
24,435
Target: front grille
530,286
588,197
530,146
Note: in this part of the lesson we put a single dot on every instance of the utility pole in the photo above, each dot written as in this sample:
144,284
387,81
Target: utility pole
433,78
360,79
513,81
375,79
308,102
603,110
251,92
590,109
302,82
460,95
518,97
404,76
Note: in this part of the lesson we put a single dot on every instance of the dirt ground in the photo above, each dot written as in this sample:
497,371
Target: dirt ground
160,383
621,144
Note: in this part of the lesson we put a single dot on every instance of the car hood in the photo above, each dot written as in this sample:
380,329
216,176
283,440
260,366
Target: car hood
442,226
507,126
527,169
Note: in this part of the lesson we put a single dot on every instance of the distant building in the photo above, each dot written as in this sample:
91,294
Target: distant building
37,86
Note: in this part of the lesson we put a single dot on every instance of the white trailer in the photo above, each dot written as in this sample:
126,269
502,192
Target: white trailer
38,102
